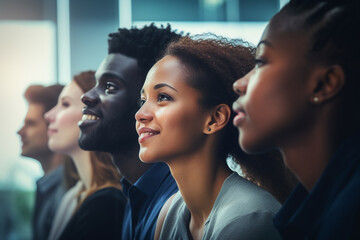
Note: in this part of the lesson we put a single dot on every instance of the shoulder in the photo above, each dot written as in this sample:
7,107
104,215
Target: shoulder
255,225
175,222
343,213
243,197
242,207
99,217
104,200
162,215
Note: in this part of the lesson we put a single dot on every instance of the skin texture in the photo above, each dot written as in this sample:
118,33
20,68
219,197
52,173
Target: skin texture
290,103
34,133
114,100
169,104
63,118
172,112
275,93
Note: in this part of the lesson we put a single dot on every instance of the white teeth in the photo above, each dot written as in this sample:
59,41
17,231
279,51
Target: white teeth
89,117
146,133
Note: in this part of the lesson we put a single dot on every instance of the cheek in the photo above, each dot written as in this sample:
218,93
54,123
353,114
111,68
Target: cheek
68,122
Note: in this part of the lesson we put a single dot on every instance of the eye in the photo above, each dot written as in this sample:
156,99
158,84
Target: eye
164,97
110,86
65,104
259,62
141,102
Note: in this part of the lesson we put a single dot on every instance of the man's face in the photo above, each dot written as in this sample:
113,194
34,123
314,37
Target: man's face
108,122
34,133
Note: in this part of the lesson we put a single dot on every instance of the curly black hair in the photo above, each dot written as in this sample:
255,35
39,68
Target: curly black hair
213,64
145,44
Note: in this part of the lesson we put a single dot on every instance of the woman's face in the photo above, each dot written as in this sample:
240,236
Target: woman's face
170,122
273,106
63,130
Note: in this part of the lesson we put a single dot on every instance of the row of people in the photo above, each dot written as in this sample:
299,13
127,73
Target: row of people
295,110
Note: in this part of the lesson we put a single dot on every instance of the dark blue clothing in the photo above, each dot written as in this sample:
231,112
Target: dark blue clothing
332,208
145,200
49,192
99,217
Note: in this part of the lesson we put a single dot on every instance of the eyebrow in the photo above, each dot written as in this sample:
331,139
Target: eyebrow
107,76
160,85
265,42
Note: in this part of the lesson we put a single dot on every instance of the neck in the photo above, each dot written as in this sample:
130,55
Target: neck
83,166
199,177
309,154
129,164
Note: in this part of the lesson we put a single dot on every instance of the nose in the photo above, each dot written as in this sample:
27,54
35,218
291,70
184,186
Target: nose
240,86
50,115
143,114
90,98
20,131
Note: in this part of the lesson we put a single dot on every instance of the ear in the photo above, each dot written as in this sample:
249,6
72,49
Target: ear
329,82
218,119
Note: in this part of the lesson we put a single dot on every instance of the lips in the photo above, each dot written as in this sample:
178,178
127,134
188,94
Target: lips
89,118
146,133
240,114
51,131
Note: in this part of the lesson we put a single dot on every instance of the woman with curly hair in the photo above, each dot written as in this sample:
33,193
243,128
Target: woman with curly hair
185,121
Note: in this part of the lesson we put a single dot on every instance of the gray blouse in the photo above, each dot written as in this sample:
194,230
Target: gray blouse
242,210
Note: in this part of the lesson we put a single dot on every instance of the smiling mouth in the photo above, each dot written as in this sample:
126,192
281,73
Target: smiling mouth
88,119
144,135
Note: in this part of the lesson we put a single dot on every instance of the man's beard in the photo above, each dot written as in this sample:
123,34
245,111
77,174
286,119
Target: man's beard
113,137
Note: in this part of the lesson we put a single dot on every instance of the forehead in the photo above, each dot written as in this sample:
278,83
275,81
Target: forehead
35,111
167,70
71,90
284,41
117,65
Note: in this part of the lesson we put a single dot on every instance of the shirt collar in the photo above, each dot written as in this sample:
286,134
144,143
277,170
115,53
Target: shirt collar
150,181
50,180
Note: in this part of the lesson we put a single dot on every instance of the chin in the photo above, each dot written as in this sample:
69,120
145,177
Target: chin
90,142
145,156
253,146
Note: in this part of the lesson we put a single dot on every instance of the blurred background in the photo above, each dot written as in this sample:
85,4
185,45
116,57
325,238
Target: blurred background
48,41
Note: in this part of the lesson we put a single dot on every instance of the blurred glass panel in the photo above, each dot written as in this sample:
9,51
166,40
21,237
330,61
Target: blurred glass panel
204,10
248,31
27,57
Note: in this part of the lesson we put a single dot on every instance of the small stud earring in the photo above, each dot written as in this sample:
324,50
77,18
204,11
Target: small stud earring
316,99
209,129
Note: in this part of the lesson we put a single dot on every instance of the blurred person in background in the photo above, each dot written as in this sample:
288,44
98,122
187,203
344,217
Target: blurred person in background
108,124
51,187
93,208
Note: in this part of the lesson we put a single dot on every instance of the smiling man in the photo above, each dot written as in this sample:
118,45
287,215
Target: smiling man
108,124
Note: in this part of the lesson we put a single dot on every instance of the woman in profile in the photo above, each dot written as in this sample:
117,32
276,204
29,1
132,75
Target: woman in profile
303,98
185,121
93,208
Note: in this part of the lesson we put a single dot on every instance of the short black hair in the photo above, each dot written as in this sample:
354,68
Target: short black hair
146,45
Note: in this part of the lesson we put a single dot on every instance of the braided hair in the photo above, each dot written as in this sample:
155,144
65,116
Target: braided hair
332,27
